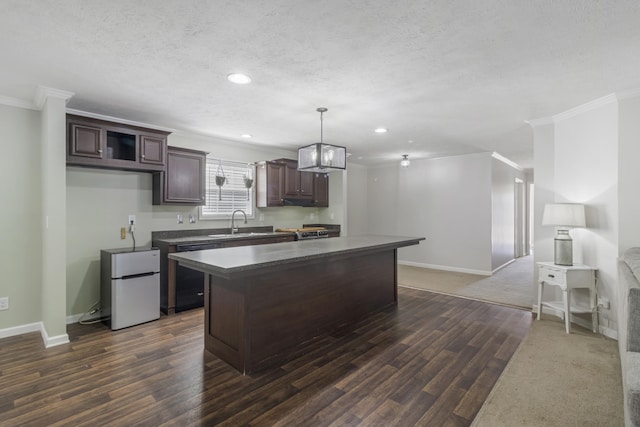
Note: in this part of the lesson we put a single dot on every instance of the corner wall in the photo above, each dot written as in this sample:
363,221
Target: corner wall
20,216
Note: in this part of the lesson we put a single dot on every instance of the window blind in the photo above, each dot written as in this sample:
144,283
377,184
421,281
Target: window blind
233,194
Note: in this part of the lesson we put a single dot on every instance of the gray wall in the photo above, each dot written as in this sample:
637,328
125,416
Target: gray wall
455,202
20,216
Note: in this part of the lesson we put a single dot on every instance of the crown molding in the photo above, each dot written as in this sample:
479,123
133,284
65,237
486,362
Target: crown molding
118,120
17,102
542,121
44,92
580,109
506,161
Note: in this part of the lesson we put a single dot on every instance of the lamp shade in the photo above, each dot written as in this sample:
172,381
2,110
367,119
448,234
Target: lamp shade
322,158
564,215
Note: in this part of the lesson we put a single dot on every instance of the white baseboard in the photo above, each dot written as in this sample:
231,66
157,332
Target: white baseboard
606,331
502,266
21,329
445,268
55,340
35,327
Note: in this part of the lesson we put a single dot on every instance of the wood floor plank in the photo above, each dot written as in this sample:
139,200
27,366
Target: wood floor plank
432,360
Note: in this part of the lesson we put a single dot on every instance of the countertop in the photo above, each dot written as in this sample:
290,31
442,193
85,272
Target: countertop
220,237
228,261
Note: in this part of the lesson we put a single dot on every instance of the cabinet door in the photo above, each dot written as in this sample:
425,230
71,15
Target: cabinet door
321,190
183,182
275,175
85,141
153,149
306,184
291,179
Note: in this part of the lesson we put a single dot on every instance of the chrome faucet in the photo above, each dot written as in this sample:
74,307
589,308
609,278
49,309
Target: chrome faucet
234,229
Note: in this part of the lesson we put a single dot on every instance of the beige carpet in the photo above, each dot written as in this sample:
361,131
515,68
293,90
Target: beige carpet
555,379
512,285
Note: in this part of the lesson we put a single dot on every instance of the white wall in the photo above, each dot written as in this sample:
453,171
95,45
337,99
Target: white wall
357,202
576,160
629,173
446,200
503,212
20,255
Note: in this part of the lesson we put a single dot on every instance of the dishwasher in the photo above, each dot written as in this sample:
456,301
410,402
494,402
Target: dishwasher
129,286
190,282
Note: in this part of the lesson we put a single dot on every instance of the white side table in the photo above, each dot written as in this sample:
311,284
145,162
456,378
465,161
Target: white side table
567,278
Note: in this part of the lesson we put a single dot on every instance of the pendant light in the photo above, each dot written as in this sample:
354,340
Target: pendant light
321,157
405,161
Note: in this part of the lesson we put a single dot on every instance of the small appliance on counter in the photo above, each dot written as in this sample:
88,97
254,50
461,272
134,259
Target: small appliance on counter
305,233
129,286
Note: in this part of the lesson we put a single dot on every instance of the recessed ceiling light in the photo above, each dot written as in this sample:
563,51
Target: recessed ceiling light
410,141
238,78
246,135
381,130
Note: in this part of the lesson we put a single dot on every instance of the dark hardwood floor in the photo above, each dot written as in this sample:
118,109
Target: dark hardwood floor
431,361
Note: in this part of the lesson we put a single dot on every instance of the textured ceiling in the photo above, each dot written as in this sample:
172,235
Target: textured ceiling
453,77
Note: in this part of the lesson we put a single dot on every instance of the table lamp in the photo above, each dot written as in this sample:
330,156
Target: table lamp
563,216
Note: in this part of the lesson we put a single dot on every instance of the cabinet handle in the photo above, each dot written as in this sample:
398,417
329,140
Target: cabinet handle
200,294
100,151
142,155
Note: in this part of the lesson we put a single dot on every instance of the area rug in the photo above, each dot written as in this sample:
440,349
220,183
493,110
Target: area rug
555,379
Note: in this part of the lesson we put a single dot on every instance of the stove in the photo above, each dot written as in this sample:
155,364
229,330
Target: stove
306,233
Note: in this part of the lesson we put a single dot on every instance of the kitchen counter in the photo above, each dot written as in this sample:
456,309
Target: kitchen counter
222,237
231,261
265,304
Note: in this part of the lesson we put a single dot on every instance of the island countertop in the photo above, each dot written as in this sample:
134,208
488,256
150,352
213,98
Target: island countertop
228,261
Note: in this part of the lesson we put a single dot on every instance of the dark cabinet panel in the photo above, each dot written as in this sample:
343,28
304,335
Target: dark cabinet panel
321,190
103,144
153,149
183,181
297,185
270,177
279,183
86,141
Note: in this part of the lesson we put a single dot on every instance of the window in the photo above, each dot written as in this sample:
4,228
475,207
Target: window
222,201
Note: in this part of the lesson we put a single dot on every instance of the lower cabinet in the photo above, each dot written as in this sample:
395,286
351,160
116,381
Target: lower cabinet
182,288
183,180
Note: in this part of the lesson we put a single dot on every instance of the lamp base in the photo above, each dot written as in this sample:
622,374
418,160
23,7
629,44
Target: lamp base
563,248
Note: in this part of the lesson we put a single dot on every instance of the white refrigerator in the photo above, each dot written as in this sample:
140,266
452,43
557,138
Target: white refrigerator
129,286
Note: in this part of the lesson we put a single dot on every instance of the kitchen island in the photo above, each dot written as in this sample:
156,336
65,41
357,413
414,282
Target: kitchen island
264,304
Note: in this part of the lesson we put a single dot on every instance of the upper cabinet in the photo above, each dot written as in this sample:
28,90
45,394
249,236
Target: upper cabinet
279,183
183,181
297,185
99,143
270,184
321,190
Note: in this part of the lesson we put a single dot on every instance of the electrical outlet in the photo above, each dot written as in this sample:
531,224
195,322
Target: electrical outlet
4,303
261,217
192,219
179,218
132,220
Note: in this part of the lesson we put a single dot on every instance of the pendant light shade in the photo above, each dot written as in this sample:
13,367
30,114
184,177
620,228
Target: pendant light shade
321,157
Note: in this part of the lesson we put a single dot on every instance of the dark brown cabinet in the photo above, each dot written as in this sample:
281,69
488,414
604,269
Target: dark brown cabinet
183,180
279,183
297,185
270,177
321,190
104,144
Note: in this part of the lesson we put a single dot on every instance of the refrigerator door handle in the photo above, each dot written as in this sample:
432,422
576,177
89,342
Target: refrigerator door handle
134,276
